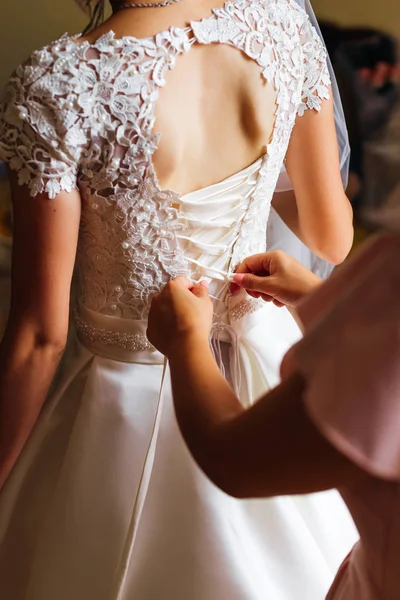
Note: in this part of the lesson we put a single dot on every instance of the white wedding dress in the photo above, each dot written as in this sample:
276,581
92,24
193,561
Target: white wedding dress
105,503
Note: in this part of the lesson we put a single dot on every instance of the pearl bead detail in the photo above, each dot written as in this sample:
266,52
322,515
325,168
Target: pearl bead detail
113,307
105,337
118,289
245,307
125,245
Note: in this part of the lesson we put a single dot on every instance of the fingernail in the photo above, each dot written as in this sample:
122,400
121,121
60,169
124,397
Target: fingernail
234,288
238,278
204,283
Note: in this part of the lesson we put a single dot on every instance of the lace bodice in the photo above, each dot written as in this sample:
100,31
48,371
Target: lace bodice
80,114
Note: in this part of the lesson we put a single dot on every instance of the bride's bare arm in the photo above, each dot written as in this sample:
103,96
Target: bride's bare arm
318,210
44,247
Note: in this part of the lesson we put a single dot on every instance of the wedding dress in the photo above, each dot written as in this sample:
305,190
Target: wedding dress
105,502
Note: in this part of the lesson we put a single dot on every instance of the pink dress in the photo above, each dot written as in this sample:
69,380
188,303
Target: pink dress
350,358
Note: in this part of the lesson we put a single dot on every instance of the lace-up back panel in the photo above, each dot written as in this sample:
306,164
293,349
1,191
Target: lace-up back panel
81,114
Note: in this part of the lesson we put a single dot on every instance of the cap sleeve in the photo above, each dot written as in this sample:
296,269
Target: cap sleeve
351,363
316,79
35,127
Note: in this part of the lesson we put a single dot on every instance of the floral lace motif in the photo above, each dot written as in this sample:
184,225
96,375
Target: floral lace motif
80,114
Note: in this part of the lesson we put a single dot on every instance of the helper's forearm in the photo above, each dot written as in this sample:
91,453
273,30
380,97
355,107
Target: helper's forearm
26,372
247,453
202,397
311,284
316,304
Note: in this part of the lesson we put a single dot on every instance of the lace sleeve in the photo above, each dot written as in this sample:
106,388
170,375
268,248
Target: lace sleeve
316,73
32,129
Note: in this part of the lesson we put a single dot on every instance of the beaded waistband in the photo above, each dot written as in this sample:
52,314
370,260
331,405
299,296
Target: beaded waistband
125,339
119,339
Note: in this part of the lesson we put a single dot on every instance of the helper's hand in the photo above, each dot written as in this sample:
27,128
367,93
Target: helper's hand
275,277
180,315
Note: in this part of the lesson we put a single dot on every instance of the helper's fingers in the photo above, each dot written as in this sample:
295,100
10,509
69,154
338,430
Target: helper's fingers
257,263
254,283
277,303
182,283
200,290
267,298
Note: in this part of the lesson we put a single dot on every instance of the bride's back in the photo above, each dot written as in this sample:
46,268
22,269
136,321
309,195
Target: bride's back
222,92
216,111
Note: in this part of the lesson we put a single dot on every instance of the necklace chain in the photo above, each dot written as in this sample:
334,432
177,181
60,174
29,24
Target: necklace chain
147,4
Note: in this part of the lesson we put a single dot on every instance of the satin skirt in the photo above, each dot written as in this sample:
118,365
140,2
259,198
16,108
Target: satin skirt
106,503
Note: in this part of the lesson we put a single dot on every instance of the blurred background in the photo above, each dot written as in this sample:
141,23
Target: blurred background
362,37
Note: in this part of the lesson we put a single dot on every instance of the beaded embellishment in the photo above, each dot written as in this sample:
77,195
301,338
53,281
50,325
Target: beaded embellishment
245,307
134,342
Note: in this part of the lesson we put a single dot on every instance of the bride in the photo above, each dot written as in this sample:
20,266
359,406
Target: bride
100,499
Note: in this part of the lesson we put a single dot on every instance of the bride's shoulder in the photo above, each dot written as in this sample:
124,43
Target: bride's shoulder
291,12
41,92
291,16
288,6
46,74
43,70
41,131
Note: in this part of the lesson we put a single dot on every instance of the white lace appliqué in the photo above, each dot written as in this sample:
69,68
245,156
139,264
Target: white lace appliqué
82,115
